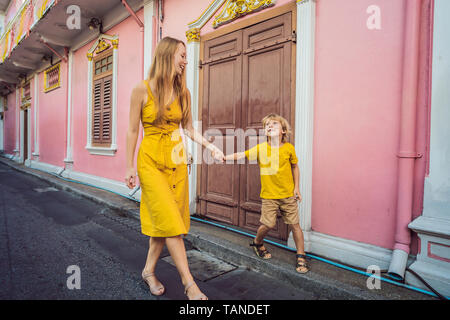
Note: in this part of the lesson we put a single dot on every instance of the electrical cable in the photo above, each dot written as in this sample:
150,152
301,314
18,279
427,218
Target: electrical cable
426,284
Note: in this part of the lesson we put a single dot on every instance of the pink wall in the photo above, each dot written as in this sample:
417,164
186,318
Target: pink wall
178,15
9,124
52,119
129,74
356,128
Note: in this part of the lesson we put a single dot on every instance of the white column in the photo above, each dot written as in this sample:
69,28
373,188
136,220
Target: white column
18,114
69,110
433,226
36,115
2,109
22,120
89,103
28,137
192,82
304,109
148,36
114,98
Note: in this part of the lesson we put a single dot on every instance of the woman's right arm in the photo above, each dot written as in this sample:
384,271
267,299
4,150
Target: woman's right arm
137,98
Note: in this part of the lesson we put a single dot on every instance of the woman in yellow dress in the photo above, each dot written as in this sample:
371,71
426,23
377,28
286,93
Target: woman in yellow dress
162,103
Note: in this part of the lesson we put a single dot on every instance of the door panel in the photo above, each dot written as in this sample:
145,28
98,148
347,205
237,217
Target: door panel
221,112
266,88
246,75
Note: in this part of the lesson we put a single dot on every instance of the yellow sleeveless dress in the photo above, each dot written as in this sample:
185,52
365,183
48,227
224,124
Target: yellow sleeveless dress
162,171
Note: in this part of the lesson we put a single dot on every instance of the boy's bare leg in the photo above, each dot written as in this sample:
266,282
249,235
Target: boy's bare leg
263,230
297,233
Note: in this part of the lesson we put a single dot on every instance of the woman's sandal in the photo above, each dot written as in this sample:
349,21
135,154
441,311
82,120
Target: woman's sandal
200,296
263,254
303,264
154,290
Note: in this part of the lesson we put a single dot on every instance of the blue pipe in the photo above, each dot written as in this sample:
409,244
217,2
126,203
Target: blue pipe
320,259
268,241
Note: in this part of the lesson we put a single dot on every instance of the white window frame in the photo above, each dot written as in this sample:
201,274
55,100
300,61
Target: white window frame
111,150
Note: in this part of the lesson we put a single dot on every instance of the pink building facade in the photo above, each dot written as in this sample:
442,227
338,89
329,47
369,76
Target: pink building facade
362,107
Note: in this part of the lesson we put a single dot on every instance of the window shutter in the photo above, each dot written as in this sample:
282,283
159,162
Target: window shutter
97,112
102,107
106,112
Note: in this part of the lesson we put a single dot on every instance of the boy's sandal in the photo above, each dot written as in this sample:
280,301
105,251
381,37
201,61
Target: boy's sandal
302,264
263,254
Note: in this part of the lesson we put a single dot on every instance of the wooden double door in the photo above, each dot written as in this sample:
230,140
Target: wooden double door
247,74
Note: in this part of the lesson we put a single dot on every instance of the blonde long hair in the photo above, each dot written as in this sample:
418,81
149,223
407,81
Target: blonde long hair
166,79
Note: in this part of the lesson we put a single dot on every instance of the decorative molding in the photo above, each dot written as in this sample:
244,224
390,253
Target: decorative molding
108,151
193,34
46,72
103,45
25,106
235,9
206,14
115,44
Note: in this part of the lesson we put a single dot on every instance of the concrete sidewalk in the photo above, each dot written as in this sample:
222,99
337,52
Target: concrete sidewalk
324,281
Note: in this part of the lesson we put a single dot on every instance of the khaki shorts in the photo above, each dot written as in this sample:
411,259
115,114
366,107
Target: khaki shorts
288,208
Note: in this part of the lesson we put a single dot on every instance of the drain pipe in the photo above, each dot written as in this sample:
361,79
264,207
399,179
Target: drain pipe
407,147
141,26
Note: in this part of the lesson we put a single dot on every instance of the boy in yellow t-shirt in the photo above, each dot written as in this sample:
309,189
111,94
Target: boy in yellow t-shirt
279,185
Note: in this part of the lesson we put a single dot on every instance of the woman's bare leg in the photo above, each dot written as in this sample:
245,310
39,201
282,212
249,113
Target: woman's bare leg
156,246
178,254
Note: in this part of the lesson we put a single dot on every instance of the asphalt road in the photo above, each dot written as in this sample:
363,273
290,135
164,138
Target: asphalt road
57,246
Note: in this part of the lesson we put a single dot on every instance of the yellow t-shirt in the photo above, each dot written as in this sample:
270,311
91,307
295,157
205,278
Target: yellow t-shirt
277,181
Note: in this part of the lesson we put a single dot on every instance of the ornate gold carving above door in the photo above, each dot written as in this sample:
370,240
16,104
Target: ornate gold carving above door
233,9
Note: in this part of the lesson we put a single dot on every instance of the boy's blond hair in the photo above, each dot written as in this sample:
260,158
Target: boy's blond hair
284,125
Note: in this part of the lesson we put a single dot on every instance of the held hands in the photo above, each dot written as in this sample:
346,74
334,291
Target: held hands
216,153
130,178
297,195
